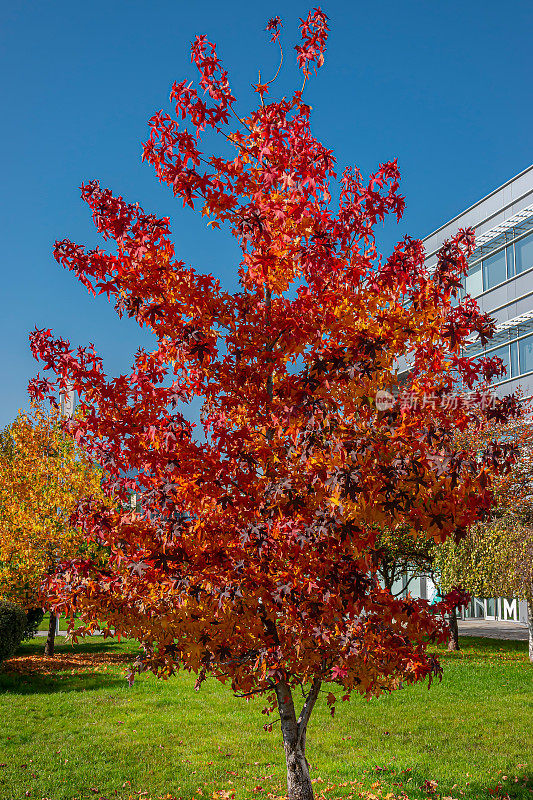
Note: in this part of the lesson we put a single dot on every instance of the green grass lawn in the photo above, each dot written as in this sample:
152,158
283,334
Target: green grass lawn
72,728
43,626
63,624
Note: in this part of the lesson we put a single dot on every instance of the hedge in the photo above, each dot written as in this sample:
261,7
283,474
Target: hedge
13,623
34,617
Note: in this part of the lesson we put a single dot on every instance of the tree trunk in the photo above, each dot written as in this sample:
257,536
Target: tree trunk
51,638
453,641
388,579
294,731
530,625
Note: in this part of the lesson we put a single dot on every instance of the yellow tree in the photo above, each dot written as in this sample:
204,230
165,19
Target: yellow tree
495,557
43,477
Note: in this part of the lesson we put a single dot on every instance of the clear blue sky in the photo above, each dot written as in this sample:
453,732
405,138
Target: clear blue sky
444,86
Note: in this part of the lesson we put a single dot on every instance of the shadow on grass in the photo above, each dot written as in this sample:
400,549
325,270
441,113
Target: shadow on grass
21,684
87,666
485,644
36,647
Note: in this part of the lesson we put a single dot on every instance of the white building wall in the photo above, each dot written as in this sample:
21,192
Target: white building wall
501,219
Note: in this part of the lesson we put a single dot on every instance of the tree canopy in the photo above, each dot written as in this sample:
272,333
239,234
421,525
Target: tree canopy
495,558
252,557
43,477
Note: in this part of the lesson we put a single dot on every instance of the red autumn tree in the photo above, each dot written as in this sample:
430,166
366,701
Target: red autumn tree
513,488
252,558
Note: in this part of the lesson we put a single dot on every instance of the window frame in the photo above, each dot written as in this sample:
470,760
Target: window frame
506,246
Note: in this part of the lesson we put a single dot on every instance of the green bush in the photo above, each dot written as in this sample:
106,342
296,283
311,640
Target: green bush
34,617
12,627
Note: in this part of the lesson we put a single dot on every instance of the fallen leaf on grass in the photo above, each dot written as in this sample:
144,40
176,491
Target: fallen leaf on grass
76,663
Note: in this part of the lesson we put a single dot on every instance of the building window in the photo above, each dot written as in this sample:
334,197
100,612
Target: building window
500,267
494,270
514,360
526,354
517,357
503,353
510,261
524,253
474,281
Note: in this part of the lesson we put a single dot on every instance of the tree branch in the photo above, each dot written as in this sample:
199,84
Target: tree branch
308,706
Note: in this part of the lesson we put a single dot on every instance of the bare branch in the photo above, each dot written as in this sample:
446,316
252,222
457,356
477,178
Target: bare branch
308,706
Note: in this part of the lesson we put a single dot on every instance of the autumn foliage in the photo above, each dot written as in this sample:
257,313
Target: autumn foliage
513,488
43,477
495,558
252,556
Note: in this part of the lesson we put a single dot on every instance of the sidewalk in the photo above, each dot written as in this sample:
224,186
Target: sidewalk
493,629
64,633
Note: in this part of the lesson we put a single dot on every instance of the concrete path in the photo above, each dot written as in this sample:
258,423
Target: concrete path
493,630
62,633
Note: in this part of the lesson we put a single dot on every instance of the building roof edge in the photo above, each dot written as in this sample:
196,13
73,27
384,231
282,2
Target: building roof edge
482,200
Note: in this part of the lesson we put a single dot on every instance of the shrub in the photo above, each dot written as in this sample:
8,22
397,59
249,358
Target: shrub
34,617
12,626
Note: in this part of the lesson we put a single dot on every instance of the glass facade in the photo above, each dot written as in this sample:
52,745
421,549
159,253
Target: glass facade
512,259
505,263
474,280
503,353
494,269
516,355
525,349
524,253
500,277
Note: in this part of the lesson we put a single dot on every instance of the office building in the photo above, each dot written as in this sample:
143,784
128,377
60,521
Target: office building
500,274
500,278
